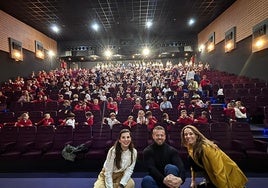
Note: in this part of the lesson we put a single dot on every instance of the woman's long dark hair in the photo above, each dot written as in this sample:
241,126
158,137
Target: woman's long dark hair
119,150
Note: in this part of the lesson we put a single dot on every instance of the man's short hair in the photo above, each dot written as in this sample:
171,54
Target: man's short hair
158,127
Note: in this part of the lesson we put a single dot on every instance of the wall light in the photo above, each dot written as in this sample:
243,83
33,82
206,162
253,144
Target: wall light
230,39
211,42
51,53
260,43
201,48
260,36
39,50
15,49
210,47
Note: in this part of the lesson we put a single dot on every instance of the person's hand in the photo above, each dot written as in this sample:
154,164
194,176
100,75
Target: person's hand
193,184
167,181
172,181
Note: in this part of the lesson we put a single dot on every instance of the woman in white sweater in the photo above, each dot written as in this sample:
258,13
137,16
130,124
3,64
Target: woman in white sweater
119,164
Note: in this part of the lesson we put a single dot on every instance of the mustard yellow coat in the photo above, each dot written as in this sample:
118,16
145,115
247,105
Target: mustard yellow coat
222,171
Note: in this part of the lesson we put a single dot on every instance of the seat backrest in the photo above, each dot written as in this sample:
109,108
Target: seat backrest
116,131
63,135
38,106
80,116
173,135
217,113
173,113
8,134
101,132
204,129
220,132
36,116
44,134
126,104
7,117
140,132
52,105
241,131
26,134
15,106
82,134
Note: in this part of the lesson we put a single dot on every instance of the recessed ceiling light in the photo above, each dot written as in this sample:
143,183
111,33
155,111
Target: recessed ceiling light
149,24
191,22
55,28
95,26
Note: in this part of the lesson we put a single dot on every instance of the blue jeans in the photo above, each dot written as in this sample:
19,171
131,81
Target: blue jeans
149,182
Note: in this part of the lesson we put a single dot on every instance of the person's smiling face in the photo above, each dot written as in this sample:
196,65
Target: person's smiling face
125,140
189,136
159,136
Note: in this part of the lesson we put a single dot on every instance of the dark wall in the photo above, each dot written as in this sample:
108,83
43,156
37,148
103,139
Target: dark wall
10,68
240,61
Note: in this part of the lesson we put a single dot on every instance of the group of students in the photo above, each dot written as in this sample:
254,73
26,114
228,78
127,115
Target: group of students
164,165
235,111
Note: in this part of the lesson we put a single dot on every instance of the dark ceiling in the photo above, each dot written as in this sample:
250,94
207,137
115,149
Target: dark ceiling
119,19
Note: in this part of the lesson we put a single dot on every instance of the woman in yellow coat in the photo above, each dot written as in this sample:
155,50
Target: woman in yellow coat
221,171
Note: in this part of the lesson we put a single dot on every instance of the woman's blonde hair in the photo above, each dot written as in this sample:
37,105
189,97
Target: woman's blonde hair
200,141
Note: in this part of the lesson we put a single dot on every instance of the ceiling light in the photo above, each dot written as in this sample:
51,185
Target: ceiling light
191,22
107,53
149,24
55,28
145,52
95,26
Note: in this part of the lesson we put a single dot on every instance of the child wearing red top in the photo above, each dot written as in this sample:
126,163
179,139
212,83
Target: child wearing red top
112,105
153,105
90,119
130,122
118,98
229,113
181,106
24,120
47,120
137,105
81,106
150,120
95,105
202,119
184,119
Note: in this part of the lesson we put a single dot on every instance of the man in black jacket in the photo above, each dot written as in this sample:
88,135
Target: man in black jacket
165,167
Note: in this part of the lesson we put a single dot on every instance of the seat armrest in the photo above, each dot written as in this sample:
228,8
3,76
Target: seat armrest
239,145
27,146
46,146
261,145
6,146
88,143
68,143
109,144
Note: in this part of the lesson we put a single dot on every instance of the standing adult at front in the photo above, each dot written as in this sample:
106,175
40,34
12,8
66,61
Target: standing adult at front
220,171
164,165
119,164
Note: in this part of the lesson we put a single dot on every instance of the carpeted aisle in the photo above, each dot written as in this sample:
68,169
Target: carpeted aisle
88,182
